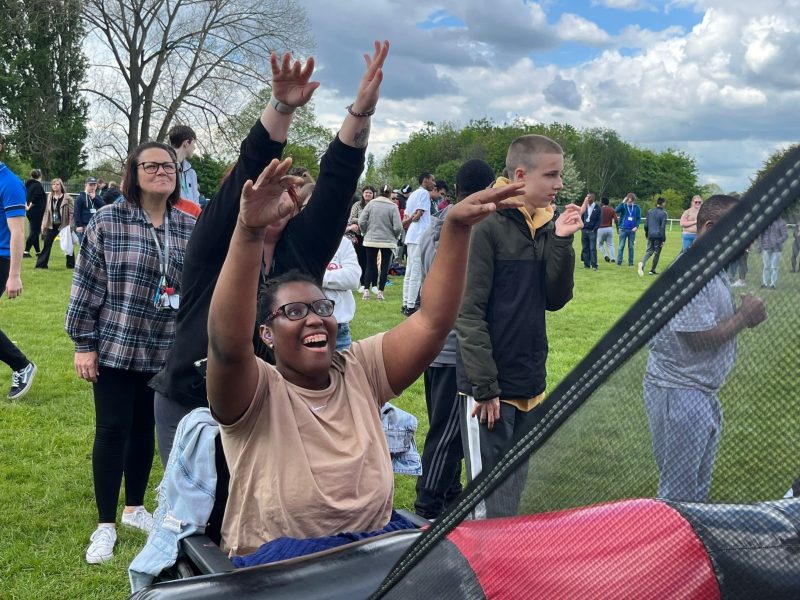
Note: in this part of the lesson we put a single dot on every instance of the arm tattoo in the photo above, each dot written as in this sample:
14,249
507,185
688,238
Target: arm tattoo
361,138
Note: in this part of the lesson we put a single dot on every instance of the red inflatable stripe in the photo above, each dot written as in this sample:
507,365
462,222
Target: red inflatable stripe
632,549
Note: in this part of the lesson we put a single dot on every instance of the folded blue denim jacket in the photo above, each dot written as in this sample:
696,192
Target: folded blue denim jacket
185,496
400,427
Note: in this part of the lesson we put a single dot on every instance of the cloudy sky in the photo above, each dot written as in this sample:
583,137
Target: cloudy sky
719,79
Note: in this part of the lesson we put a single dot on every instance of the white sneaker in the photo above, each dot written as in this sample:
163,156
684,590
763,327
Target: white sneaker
375,289
361,289
641,269
101,546
138,519
738,283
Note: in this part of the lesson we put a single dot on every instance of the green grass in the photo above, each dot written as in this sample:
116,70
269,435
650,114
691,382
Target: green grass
46,438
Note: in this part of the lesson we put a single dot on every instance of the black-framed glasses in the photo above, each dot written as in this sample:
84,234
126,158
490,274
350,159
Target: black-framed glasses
151,168
294,311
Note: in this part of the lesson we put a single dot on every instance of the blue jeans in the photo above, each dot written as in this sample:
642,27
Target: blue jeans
343,340
630,236
686,425
771,260
687,239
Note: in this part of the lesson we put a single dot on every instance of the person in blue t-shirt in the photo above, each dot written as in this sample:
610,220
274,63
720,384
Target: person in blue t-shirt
12,243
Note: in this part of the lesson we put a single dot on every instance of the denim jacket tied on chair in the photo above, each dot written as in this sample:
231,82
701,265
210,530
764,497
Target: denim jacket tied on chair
400,427
185,496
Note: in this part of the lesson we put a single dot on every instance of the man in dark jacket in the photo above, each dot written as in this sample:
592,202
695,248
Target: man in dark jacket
655,228
440,482
591,223
35,201
86,205
521,264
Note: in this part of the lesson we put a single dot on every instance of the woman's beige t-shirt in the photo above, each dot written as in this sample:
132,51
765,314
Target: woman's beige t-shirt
308,463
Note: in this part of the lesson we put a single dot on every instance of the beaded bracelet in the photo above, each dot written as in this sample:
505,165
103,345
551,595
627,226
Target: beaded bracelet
369,113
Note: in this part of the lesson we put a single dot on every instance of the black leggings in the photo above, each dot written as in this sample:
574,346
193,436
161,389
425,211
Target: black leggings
124,439
33,236
372,266
44,256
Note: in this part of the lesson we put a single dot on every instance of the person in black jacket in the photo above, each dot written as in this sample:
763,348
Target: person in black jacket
86,205
521,264
34,203
307,244
591,223
111,194
655,228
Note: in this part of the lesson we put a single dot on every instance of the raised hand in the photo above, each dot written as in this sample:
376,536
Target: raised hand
264,202
570,220
369,89
476,207
290,80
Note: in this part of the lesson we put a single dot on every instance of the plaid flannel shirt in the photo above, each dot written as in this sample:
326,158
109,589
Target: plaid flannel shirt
110,308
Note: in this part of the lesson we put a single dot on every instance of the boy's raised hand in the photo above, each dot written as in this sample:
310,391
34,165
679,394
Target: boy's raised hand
476,207
264,202
291,80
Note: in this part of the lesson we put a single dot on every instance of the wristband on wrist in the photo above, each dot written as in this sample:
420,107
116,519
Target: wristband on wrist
279,106
368,113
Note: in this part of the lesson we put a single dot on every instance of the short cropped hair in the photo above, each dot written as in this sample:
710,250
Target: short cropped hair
591,195
661,201
604,200
423,176
473,176
715,208
179,134
36,174
524,150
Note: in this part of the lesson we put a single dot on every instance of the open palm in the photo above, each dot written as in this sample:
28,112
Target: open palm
291,81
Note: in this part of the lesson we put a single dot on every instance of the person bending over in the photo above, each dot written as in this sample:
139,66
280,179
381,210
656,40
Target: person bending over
306,451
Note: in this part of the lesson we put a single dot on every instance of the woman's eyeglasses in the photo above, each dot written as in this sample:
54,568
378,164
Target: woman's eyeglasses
294,311
151,168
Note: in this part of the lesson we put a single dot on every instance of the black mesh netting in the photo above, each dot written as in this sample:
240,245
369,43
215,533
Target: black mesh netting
675,404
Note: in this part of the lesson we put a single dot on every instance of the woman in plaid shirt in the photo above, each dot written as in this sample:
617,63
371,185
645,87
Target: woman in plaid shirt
121,317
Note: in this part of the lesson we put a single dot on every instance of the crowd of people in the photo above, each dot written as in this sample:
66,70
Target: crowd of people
165,295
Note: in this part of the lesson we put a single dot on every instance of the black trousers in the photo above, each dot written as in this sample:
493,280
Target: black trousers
440,482
361,255
44,256
654,246
35,231
9,353
488,446
372,266
124,439
589,248
168,414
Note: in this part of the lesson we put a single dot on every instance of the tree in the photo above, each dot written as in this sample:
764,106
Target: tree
604,160
187,61
772,160
41,68
574,187
210,172
307,140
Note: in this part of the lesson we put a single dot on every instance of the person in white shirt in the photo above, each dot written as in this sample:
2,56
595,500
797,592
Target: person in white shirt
418,216
341,278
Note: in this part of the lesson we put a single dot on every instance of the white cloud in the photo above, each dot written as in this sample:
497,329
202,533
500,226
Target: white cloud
726,90
574,28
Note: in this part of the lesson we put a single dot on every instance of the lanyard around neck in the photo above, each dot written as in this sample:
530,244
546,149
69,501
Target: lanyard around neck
163,258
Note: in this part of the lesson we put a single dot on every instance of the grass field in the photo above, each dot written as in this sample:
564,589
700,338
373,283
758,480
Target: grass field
46,493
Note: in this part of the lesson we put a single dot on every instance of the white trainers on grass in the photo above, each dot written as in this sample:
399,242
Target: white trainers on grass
138,519
101,545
